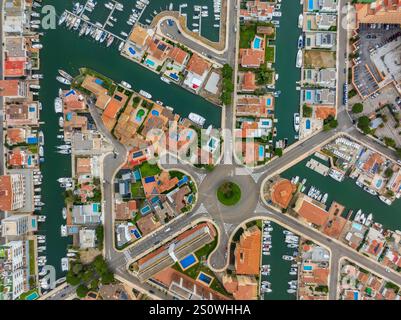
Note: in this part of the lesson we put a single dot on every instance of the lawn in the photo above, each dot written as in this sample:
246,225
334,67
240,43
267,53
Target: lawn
229,193
176,174
269,53
137,190
31,257
148,170
248,32
193,272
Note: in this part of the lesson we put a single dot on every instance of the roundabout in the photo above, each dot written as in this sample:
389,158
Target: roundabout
229,193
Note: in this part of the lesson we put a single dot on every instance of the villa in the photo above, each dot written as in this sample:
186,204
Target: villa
196,72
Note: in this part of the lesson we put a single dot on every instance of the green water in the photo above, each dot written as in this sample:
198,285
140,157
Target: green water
350,195
207,30
286,51
63,49
279,274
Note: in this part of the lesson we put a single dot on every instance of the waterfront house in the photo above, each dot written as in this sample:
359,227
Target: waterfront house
321,5
282,192
319,21
21,113
12,192
247,82
87,238
15,57
95,86
247,252
374,243
318,96
255,106
249,151
325,77
12,88
254,129
252,58
157,53
18,225
14,17
16,135
310,211
139,40
320,40
257,10
241,287
116,103
178,59
196,72
88,214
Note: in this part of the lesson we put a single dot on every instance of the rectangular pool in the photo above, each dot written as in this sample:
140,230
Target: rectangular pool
188,261
203,277
308,268
150,63
256,43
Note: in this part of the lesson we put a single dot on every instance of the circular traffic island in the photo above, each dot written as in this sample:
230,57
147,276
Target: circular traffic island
229,193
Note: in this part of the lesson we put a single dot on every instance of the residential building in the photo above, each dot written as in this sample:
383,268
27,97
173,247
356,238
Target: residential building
12,192
19,225
196,72
247,252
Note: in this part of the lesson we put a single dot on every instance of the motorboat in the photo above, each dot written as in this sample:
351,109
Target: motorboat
287,232
64,264
64,147
60,136
63,80
37,46
61,122
37,189
71,254
358,215
58,105
300,42
300,20
64,213
166,80
41,218
41,138
385,200
291,291
64,151
65,74
110,40
369,190
126,84
103,37
120,47
37,76
63,230
64,179
359,184
288,258
124,34
196,118
299,59
145,94
369,220
41,151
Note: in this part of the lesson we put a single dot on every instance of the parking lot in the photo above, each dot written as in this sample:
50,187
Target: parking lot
371,37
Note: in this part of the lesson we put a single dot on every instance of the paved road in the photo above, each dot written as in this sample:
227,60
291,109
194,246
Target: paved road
227,220
2,214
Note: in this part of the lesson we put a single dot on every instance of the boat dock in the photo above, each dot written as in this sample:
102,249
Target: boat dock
321,156
318,167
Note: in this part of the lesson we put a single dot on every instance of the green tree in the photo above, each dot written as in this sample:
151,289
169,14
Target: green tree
363,124
357,108
278,152
99,236
388,172
87,276
107,277
72,279
77,268
306,111
82,291
389,142
94,284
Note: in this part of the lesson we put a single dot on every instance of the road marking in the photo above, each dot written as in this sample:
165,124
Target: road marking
201,210
127,256
227,226
260,208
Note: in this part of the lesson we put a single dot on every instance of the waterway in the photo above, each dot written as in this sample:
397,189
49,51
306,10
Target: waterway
349,194
286,42
279,275
63,49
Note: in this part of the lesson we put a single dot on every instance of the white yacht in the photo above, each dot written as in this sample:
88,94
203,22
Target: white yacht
64,264
299,59
296,122
61,122
385,200
166,80
145,94
58,105
196,118
126,84
63,230
300,20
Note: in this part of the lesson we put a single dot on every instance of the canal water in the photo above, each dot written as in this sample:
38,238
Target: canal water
349,194
63,49
286,42
279,274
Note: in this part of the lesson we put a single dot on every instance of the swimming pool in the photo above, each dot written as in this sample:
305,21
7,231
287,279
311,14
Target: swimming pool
188,261
310,5
139,115
29,161
308,268
379,183
150,179
131,50
155,113
356,295
99,82
32,296
257,43
150,63
135,232
203,277
137,174
261,152
32,140
182,181
95,207
145,210
307,124
174,76
268,102
356,226
308,95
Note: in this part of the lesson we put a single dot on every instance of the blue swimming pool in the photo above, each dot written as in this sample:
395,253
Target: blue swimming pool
308,268
310,5
95,207
145,210
174,76
32,140
32,296
149,179
155,113
205,278
307,124
356,295
32,109
99,82
356,226
137,174
379,183
268,102
131,50
257,43
261,152
29,161
149,62
136,233
182,181
308,95
188,261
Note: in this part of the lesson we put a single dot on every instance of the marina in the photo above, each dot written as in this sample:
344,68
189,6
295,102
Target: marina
349,195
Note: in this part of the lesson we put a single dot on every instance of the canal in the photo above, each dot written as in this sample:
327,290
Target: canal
286,42
279,275
349,194
63,49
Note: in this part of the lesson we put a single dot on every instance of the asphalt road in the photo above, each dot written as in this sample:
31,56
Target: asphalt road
250,207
